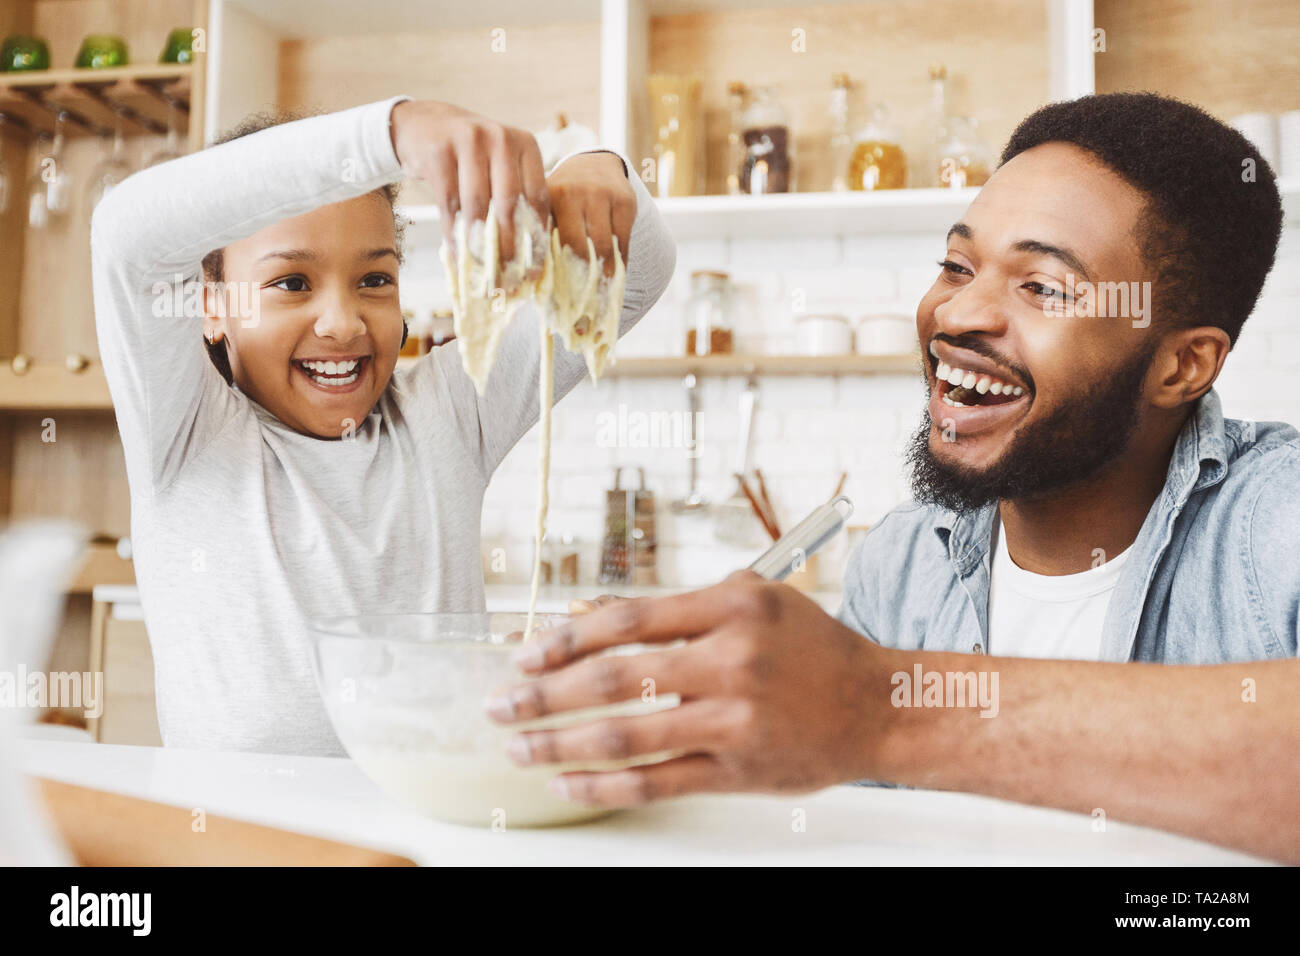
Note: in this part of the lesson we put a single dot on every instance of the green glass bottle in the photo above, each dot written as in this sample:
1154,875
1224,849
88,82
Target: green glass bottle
101,50
180,46
24,53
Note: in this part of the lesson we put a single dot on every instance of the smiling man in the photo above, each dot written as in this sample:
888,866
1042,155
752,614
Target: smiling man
1080,499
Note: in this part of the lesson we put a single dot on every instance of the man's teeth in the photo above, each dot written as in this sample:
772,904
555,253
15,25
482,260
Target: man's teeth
983,384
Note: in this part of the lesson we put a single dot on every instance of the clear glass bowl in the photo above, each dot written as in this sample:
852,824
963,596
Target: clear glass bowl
405,693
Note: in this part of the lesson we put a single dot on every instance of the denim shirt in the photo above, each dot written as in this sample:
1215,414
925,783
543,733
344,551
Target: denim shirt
1214,575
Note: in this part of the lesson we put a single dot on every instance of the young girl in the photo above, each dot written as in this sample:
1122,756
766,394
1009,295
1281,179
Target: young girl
281,468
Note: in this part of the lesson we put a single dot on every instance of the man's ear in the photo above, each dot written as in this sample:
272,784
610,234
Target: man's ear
1188,362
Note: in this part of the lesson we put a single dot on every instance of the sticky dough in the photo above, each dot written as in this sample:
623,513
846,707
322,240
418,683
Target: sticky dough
575,299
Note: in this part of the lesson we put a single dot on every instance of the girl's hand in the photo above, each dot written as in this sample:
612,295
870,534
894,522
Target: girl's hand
591,196
469,159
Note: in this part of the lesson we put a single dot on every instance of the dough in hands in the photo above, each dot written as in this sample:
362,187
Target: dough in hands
586,304
577,301
485,296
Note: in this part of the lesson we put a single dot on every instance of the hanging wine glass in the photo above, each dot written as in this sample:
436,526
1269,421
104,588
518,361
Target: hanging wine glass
47,190
38,213
172,148
110,171
58,184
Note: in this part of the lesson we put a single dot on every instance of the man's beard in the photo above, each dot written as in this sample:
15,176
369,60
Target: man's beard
1069,446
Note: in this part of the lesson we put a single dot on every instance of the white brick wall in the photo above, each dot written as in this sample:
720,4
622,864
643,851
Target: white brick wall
807,429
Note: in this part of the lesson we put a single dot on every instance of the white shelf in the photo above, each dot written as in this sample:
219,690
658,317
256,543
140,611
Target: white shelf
815,214
780,215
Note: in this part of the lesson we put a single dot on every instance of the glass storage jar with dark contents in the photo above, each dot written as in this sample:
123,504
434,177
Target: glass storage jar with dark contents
768,164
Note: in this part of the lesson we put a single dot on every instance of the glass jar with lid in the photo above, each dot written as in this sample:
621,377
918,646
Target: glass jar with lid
878,161
841,145
708,321
678,121
936,128
964,158
765,131
441,329
737,95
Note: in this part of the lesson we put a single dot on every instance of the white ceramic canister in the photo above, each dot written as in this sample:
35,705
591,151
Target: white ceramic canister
823,334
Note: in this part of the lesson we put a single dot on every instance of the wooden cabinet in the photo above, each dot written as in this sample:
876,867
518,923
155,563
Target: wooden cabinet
60,453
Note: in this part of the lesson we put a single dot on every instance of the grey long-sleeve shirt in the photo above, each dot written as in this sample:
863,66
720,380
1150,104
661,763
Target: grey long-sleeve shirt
244,529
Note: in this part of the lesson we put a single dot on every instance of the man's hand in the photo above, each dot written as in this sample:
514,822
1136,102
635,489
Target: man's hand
468,160
580,606
776,696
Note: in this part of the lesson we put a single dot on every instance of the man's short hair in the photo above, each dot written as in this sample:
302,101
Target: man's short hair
1213,217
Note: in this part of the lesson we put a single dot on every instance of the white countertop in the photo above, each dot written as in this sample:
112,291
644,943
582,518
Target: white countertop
331,798
125,598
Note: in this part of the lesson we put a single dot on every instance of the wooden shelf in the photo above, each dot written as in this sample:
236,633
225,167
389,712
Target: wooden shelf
102,565
50,386
671,366
302,18
31,100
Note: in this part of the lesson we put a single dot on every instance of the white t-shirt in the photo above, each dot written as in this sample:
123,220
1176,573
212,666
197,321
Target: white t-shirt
1048,615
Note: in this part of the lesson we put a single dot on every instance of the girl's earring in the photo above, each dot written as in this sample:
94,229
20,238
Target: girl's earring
405,332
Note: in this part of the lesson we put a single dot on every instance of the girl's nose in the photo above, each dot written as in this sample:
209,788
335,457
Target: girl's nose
340,318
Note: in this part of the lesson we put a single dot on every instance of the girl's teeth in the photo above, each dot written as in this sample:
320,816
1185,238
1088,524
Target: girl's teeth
333,381
968,381
943,371
996,388
332,374
956,376
982,385
332,368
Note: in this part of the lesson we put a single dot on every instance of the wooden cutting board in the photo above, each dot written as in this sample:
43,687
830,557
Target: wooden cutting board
109,829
